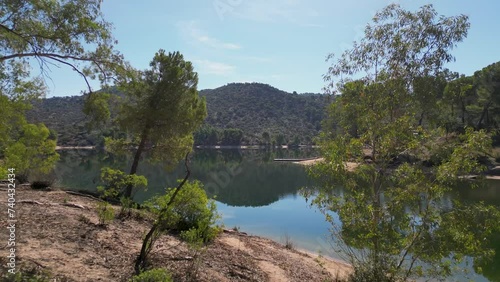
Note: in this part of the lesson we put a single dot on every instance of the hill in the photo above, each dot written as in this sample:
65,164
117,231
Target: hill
238,114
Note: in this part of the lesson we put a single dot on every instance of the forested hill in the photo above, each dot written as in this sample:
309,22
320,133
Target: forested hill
263,113
238,113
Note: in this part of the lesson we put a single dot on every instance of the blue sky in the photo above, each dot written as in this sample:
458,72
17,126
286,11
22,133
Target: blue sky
279,42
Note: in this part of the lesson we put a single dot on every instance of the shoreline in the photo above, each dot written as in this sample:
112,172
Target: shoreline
249,147
491,174
59,233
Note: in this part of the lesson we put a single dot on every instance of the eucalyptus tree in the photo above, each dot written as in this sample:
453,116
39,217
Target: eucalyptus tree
392,213
160,111
46,33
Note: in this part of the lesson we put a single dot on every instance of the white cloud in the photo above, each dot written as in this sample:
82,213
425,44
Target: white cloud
296,11
211,67
191,30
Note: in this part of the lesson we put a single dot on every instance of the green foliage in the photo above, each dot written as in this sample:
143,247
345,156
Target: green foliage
159,111
105,212
153,275
207,135
65,117
116,181
231,136
70,33
367,272
32,152
163,107
25,277
126,206
255,108
237,106
393,220
191,213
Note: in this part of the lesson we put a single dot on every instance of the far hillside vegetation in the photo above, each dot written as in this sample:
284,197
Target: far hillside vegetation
238,114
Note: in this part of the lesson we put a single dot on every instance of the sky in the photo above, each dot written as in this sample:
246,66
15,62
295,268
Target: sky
283,43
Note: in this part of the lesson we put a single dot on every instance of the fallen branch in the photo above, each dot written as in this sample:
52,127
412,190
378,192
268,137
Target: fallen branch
73,205
30,202
181,258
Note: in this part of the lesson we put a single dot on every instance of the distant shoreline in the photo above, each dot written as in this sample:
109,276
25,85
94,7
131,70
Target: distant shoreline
249,147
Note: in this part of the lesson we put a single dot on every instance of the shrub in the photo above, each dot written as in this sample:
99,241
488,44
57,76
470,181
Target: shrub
26,275
153,275
126,207
116,181
370,271
105,212
192,213
287,242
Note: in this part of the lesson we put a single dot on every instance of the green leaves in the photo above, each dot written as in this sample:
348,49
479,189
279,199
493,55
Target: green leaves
402,44
191,213
32,152
116,181
58,32
389,150
161,110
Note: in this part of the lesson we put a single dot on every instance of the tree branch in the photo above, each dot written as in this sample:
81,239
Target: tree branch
75,69
151,235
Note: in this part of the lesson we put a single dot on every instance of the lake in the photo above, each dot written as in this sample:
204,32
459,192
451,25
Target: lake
253,193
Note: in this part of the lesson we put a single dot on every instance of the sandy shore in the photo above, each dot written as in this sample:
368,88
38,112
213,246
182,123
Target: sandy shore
57,232
350,165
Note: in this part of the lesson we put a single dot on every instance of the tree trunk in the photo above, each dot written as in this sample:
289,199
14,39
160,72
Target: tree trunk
463,113
135,163
483,114
421,120
150,238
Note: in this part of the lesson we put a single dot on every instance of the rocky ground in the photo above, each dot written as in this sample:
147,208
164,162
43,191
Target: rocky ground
58,233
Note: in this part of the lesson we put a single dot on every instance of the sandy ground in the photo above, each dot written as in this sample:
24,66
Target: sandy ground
350,165
57,232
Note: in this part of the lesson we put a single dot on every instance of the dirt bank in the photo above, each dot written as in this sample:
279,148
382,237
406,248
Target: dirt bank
58,233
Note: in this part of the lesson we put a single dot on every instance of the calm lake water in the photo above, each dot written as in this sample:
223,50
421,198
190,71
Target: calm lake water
253,193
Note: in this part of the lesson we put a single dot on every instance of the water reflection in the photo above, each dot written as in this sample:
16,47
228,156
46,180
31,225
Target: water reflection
234,177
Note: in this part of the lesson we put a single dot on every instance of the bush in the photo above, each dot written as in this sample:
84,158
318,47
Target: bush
192,213
153,275
372,272
105,212
26,275
116,181
126,207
